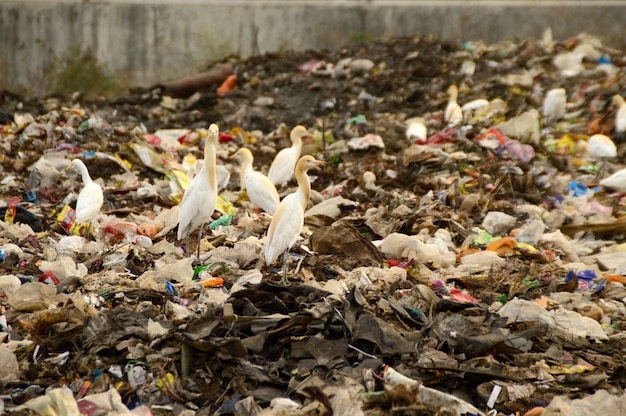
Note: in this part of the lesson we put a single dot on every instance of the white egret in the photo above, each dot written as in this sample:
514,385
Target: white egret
90,198
282,168
453,114
261,190
616,181
601,147
199,199
554,105
416,130
288,219
620,116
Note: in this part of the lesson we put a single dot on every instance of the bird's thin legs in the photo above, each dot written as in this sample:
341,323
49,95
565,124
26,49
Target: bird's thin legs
187,244
600,169
199,237
284,280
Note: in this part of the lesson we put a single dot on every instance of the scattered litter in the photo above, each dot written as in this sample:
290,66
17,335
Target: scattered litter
462,249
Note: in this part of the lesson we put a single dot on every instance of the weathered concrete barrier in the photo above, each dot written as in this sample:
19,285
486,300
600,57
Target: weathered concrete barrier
146,42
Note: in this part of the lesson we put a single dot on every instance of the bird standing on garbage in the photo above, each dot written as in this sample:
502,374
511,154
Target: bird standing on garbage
620,116
282,168
200,198
602,148
616,181
288,219
453,114
416,130
261,190
554,105
90,198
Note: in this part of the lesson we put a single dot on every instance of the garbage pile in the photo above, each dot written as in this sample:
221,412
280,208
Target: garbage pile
462,251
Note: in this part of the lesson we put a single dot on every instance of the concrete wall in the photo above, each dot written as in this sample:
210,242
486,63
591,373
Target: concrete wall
147,42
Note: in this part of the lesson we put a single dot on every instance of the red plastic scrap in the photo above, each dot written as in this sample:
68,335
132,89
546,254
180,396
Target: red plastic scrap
11,212
443,136
492,133
153,139
49,278
225,138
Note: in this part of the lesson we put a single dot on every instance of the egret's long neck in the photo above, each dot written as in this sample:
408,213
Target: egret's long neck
619,100
304,186
454,93
210,156
85,174
246,168
296,142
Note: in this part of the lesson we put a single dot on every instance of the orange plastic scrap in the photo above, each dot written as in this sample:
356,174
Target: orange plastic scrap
503,246
615,278
550,255
227,85
120,228
212,282
147,229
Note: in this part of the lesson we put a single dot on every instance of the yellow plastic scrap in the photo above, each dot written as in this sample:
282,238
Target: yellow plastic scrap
189,159
568,144
526,248
580,163
179,181
124,162
167,382
181,178
247,137
243,196
224,206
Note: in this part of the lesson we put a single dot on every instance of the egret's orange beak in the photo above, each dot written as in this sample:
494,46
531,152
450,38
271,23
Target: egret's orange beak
319,164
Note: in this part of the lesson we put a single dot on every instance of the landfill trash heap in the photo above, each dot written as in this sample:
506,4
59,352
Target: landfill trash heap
454,245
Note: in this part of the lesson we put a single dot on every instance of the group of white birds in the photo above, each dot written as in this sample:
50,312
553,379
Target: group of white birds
599,146
200,198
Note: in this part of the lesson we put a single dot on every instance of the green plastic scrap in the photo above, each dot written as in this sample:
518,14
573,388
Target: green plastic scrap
502,299
483,238
224,220
328,136
198,270
360,119
530,283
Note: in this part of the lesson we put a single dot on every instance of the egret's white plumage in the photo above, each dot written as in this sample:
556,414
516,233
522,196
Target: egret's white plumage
620,116
416,129
475,105
90,198
453,114
616,181
288,219
282,168
261,190
554,105
601,146
199,199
